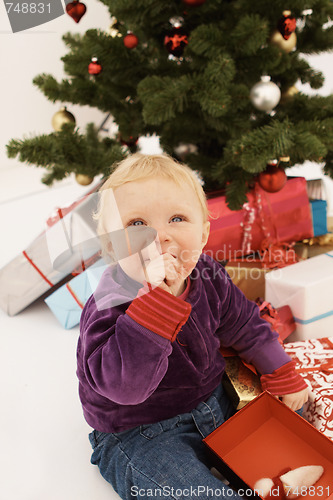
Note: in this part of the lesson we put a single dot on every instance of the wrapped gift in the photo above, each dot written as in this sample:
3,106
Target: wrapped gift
316,188
310,247
240,382
284,216
307,288
248,277
51,257
314,362
263,439
319,216
67,302
330,223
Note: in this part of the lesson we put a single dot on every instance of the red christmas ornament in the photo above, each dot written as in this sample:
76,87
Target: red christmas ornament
131,41
76,10
194,3
272,179
176,41
94,67
286,25
130,141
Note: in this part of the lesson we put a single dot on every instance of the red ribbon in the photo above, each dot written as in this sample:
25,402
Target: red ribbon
268,313
71,291
61,212
273,253
86,263
278,491
276,254
37,269
271,315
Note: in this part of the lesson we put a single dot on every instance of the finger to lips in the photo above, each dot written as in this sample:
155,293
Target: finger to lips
153,251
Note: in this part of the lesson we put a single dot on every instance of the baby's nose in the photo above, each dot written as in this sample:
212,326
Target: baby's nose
163,233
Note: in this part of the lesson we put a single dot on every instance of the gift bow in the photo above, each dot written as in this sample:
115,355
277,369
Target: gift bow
277,322
268,313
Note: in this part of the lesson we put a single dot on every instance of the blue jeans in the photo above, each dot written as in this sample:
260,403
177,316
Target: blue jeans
165,460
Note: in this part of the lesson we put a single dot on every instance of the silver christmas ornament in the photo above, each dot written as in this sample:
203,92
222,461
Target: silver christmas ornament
265,95
176,21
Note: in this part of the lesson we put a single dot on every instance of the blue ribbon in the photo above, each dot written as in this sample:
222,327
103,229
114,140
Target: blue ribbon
315,318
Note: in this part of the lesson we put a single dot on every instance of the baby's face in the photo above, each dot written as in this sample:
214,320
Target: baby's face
173,211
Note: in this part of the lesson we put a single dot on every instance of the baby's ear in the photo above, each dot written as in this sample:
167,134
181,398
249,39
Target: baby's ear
205,233
107,251
110,251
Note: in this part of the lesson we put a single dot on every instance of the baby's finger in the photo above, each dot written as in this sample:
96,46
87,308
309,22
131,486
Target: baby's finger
155,270
153,250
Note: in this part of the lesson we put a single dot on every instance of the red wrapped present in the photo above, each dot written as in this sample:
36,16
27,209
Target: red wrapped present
314,362
278,218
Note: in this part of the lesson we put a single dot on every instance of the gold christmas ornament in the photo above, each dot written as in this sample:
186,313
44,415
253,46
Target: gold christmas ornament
113,29
83,179
288,94
61,117
286,45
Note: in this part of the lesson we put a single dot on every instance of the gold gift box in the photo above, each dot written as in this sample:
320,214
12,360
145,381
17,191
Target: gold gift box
330,223
312,247
249,278
240,383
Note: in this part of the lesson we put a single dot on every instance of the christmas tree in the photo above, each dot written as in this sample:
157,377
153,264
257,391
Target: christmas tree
190,72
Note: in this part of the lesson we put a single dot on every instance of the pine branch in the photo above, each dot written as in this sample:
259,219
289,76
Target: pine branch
236,193
163,98
253,151
249,35
67,151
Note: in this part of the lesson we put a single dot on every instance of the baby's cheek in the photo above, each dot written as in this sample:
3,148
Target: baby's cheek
189,260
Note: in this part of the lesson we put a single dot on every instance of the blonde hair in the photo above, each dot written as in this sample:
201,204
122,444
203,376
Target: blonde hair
138,167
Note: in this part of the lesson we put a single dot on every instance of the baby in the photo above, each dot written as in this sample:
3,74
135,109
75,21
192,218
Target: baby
149,365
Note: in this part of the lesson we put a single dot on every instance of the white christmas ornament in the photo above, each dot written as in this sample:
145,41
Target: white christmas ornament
265,95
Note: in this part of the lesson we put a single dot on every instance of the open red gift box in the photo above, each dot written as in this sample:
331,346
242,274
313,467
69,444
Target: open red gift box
263,439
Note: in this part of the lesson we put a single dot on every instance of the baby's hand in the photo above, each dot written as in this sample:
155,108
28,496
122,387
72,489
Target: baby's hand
164,270
296,400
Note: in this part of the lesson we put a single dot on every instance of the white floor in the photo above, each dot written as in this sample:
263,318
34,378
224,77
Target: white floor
45,452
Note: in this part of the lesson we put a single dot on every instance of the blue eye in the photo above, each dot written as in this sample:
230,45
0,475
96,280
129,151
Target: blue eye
180,219
135,223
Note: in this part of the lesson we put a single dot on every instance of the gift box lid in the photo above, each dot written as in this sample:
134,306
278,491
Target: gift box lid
305,286
264,438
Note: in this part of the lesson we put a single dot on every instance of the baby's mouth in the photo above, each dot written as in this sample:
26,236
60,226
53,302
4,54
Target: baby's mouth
170,254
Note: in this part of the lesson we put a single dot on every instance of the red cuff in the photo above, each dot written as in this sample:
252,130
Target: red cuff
160,312
283,380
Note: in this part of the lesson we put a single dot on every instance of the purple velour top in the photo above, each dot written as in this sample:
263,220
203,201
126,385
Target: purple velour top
129,375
